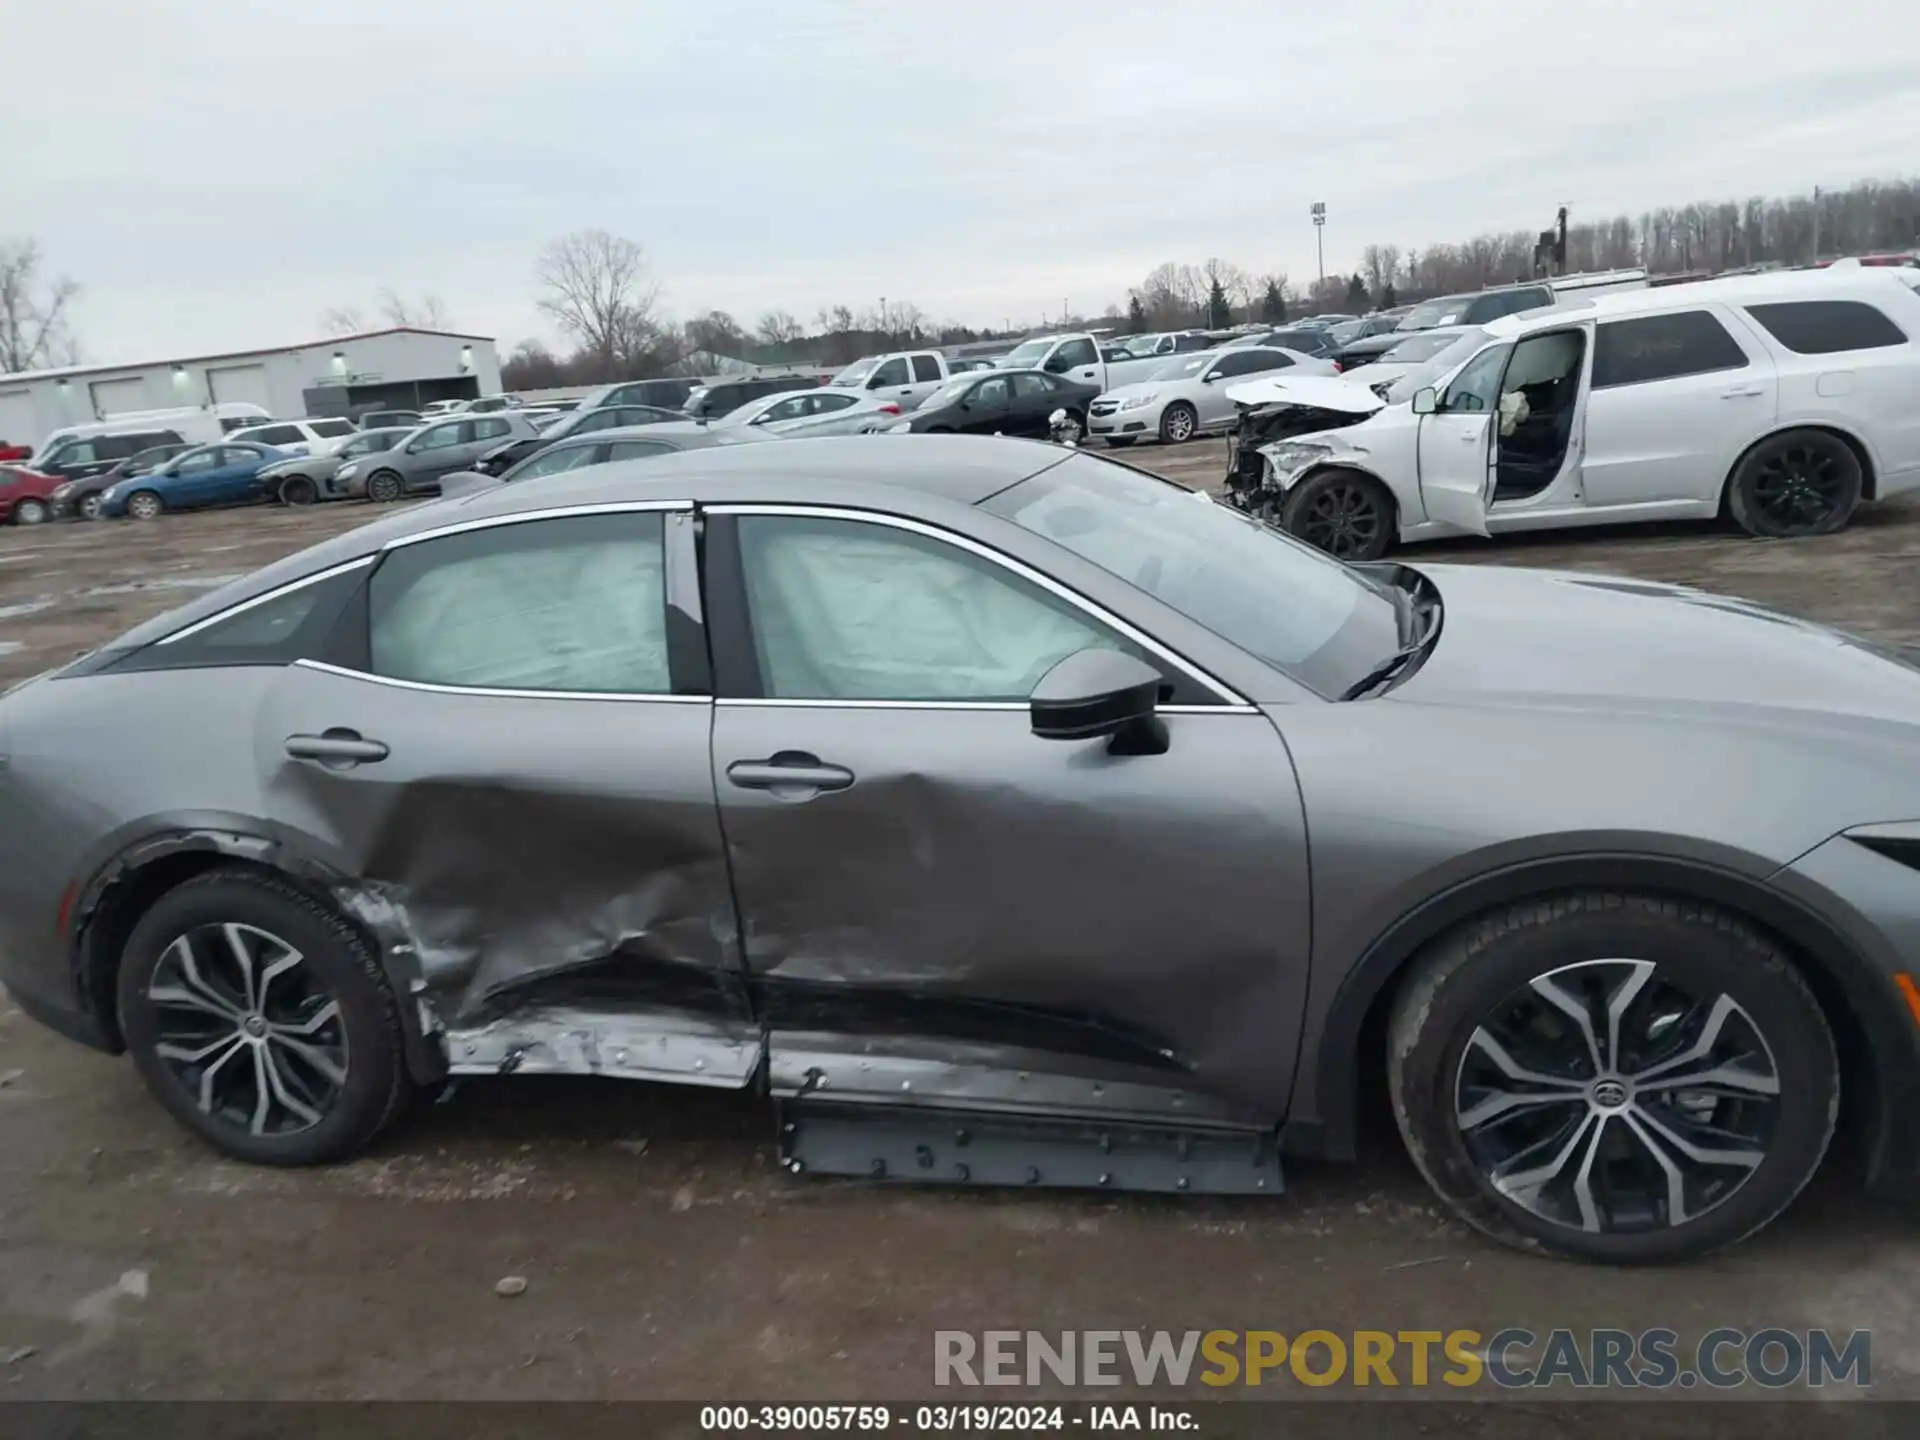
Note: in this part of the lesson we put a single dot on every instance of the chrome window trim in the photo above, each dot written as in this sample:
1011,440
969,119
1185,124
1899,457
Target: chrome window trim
1228,696
760,702
499,693
274,594
556,512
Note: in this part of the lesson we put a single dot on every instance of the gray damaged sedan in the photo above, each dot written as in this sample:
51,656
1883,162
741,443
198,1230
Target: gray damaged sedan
999,814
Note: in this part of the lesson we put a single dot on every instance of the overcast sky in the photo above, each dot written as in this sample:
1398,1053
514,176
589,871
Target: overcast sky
217,173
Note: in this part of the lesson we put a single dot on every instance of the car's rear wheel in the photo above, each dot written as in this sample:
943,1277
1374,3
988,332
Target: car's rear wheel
1120,442
90,506
1343,512
1622,1078
30,512
298,490
1800,482
384,487
262,1021
145,505
1178,422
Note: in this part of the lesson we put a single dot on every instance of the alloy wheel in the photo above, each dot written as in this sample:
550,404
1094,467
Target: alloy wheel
1799,486
1608,1098
29,512
1344,519
247,1030
144,506
1179,424
90,507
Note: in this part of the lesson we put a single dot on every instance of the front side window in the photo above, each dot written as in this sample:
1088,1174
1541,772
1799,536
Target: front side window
1284,602
74,452
1663,347
438,438
576,604
1474,390
1827,327
1074,352
557,461
893,372
925,368
847,610
197,460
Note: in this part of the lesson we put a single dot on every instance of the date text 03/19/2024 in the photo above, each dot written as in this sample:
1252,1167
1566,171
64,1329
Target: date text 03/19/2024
944,1419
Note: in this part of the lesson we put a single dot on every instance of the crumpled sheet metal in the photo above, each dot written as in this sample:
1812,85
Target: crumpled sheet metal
562,1040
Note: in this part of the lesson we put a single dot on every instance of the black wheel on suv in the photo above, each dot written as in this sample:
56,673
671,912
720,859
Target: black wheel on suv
1800,482
1343,512
262,1021
1622,1078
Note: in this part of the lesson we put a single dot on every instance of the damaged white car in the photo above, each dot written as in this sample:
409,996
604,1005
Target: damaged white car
1784,400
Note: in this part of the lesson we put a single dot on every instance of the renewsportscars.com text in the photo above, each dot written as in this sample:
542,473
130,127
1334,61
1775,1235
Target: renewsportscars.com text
1513,1358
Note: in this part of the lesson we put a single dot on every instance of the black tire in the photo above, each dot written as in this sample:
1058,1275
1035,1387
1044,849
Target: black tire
1346,513
89,507
1479,982
30,511
146,505
384,487
298,490
1120,442
337,971
1179,422
1799,482
938,430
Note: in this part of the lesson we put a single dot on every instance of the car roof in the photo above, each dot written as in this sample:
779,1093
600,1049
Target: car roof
1773,285
855,471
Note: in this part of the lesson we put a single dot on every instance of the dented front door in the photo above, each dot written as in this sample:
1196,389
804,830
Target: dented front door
510,784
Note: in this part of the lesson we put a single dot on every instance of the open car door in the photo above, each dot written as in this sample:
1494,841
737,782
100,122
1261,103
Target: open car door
1458,428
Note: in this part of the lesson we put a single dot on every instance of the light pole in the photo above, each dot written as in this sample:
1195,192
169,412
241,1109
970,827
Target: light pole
1319,213
883,318
1816,224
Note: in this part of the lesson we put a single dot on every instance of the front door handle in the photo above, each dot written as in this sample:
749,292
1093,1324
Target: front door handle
790,775
1744,392
337,749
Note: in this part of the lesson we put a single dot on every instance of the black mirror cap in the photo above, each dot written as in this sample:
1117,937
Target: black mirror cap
1097,692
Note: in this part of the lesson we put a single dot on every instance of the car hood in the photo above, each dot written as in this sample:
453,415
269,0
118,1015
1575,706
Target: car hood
1148,387
1322,392
1595,642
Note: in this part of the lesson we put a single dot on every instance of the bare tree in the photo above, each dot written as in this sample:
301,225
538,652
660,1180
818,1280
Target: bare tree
596,289
778,327
429,312
716,333
343,320
33,314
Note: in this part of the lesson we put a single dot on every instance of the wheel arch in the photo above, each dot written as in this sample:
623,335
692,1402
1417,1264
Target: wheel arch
1868,1016
1869,470
126,887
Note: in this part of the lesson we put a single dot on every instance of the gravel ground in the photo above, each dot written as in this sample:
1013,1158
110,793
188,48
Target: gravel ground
665,1257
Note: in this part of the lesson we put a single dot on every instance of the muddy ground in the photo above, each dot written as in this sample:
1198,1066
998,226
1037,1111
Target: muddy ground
664,1255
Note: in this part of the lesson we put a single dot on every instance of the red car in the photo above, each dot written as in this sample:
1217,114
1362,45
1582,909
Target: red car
24,495
14,452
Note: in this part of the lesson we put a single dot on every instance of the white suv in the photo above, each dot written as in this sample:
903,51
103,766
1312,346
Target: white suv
1784,398
301,437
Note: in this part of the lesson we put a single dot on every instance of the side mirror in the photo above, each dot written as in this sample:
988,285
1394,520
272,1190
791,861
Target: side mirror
1097,692
1426,400
1057,366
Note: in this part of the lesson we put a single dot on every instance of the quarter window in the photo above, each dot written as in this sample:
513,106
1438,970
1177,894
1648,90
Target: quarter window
1663,347
575,605
1827,327
844,610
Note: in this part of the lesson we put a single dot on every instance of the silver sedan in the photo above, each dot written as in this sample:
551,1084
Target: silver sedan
1188,395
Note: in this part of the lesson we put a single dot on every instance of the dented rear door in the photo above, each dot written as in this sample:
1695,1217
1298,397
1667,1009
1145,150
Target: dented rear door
512,775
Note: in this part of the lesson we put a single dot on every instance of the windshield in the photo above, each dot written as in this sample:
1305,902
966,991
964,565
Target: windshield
856,372
1185,366
1443,311
1292,606
1459,346
1025,357
1416,348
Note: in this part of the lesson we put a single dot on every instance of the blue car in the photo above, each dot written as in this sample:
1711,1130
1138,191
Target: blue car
223,474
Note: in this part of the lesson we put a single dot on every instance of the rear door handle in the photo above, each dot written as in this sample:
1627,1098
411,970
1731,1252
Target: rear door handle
790,774
337,749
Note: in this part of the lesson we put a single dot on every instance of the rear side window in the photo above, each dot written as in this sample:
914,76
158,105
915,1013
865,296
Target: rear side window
1663,347
925,367
1827,327
279,435
491,429
575,605
331,429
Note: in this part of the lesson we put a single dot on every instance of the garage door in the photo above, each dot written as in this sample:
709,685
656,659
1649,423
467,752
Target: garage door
17,425
239,383
118,397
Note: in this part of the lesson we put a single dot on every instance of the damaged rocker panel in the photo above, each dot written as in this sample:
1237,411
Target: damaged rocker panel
554,1040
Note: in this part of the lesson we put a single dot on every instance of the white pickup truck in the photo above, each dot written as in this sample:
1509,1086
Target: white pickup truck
904,377
1077,357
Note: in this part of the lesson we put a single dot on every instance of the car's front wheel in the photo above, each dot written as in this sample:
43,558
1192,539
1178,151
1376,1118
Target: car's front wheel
1622,1078
261,1020
298,490
30,512
145,505
1343,512
1178,423
90,507
1801,482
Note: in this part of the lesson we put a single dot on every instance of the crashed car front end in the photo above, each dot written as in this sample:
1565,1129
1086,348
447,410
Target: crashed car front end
1285,428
